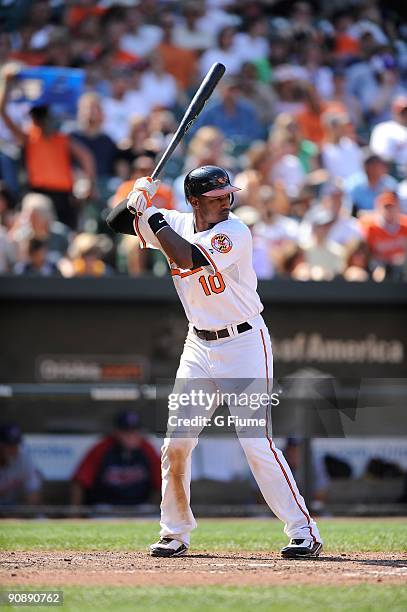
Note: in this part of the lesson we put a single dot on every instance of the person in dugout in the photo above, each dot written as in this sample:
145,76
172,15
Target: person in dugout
122,469
20,480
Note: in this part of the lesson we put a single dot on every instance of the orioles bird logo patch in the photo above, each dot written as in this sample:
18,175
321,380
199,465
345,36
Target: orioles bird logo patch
221,243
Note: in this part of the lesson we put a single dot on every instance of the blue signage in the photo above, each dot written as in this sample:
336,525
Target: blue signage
59,88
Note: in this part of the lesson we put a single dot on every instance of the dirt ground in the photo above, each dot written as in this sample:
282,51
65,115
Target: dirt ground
48,568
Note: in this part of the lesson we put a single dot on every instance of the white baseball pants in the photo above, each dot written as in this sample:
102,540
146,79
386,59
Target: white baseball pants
246,355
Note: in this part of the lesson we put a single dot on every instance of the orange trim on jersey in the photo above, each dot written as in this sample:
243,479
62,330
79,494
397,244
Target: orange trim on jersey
273,450
177,272
138,232
208,257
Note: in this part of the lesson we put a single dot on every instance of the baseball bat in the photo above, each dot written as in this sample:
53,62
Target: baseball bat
199,100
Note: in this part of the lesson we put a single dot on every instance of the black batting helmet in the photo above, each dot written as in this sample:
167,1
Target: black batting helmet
208,181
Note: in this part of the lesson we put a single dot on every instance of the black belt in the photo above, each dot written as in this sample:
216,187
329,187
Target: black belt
205,334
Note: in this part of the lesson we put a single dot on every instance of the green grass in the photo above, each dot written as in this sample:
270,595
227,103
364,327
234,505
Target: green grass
360,598
341,535
364,535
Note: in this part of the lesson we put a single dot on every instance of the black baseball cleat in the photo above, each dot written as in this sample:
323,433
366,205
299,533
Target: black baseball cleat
167,547
301,549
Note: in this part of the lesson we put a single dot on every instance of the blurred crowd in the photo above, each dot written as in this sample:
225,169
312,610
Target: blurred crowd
310,120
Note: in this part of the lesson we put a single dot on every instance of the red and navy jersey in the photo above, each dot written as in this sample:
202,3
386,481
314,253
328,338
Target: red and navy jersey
112,474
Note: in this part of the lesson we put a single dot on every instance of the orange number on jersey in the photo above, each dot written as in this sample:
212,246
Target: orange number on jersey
204,286
216,282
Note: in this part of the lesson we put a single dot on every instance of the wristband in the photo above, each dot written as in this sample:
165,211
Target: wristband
157,222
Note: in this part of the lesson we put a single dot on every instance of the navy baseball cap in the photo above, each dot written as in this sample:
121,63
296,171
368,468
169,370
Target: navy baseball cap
126,420
10,433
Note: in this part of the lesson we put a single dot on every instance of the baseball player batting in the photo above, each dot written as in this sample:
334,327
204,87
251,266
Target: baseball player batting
209,252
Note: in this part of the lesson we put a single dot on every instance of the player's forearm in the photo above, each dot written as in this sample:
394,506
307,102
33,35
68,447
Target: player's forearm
175,247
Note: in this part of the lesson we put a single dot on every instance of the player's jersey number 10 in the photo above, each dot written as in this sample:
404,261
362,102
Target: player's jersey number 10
212,284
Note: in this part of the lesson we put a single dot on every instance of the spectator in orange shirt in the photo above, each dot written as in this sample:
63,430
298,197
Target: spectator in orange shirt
181,63
345,44
48,157
79,11
113,31
310,119
144,166
386,233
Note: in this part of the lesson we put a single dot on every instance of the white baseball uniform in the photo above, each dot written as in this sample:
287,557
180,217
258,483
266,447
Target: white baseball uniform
218,296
